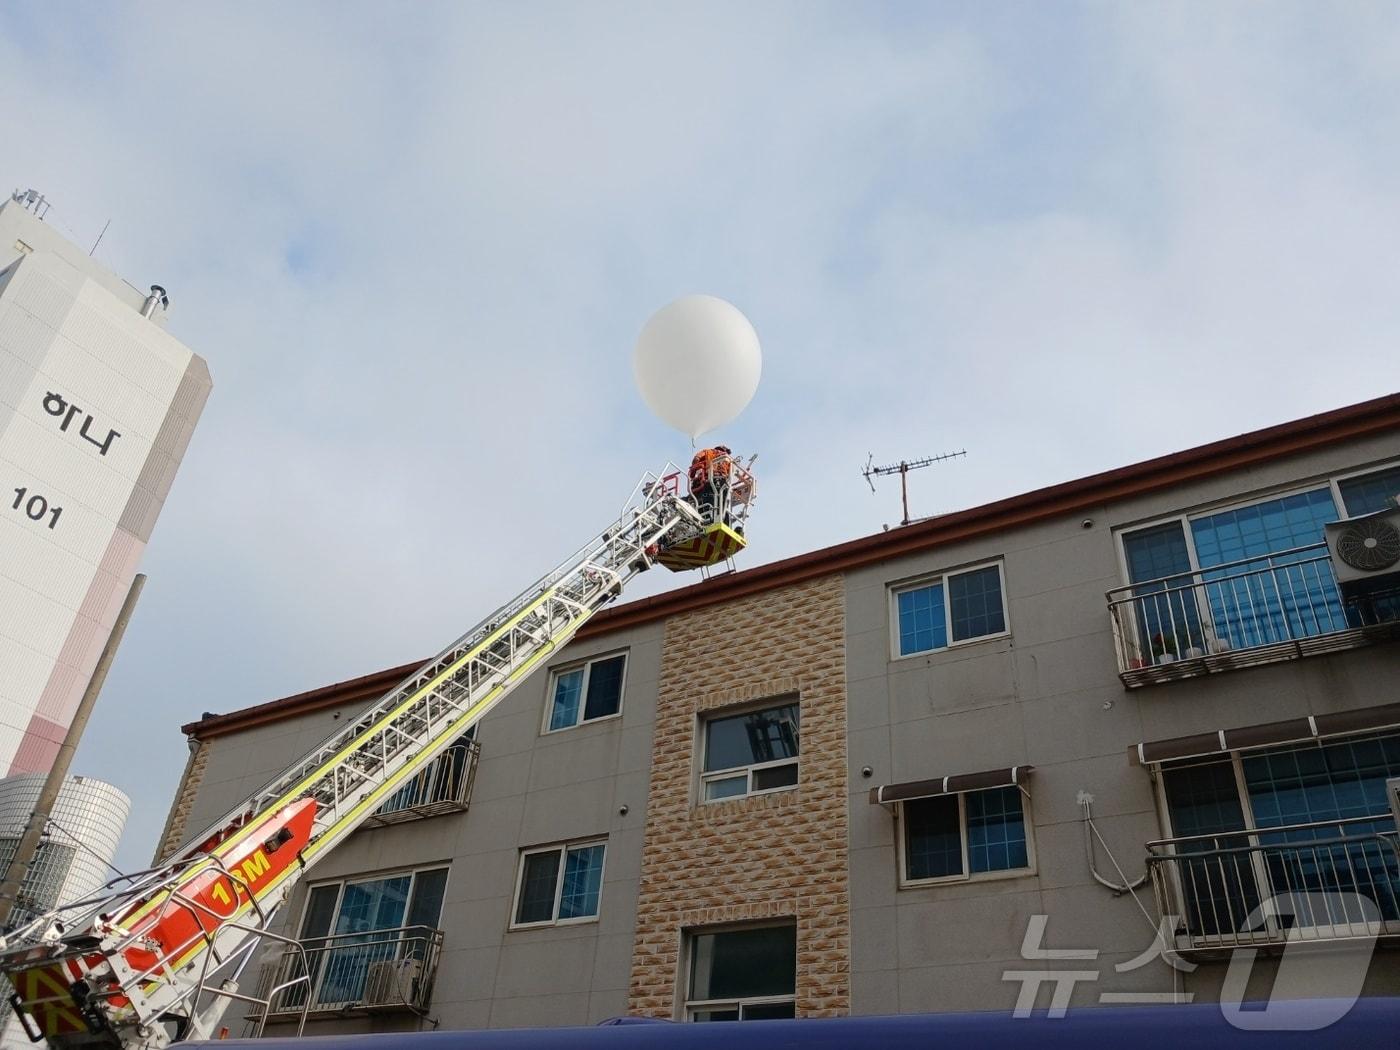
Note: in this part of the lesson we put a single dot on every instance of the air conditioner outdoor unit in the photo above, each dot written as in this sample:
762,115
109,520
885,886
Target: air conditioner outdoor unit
390,983
1366,552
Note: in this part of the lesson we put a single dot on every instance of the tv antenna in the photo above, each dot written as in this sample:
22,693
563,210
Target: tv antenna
902,468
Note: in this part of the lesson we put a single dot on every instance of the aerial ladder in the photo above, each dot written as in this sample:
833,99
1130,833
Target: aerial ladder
155,957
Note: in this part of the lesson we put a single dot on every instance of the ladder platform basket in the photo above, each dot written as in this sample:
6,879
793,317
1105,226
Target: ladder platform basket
716,543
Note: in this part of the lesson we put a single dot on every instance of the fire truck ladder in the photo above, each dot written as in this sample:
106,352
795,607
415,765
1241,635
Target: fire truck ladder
157,959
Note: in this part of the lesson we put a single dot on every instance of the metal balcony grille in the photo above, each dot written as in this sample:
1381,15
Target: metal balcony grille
380,970
444,786
1330,881
1257,611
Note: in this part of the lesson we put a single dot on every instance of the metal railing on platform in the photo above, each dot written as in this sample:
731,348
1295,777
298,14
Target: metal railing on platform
1254,611
444,786
377,970
1328,881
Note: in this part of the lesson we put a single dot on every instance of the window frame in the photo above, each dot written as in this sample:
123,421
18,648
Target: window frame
317,971
1236,758
563,848
1331,482
1185,519
967,875
1251,832
691,1006
687,1007
586,665
928,580
706,777
354,880
1336,480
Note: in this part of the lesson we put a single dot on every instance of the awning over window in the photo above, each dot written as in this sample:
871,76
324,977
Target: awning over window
1314,727
950,785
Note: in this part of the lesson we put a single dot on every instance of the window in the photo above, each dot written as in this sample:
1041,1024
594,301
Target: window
750,753
1259,576
1159,563
1245,576
559,884
1316,792
586,692
1368,493
742,975
958,836
959,607
347,927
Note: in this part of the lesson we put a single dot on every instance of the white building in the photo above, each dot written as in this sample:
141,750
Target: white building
97,405
78,846
73,857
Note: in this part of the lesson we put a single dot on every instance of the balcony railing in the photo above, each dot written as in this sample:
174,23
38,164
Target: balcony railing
381,970
444,786
1332,881
1255,611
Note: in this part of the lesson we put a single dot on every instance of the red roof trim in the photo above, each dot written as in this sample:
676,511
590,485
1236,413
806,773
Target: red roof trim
366,687
1303,435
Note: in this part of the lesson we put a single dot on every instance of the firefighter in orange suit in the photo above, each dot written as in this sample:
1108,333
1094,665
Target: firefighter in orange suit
709,483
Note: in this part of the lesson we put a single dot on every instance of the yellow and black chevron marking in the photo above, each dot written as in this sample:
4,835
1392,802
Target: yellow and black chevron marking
43,993
715,544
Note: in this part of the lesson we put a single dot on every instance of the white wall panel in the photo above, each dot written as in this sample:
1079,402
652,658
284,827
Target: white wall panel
26,671
44,570
77,363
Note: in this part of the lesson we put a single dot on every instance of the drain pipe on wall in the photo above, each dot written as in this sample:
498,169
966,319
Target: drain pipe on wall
1086,802
1178,966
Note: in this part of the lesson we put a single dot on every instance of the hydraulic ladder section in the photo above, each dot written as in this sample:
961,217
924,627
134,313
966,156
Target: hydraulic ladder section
156,959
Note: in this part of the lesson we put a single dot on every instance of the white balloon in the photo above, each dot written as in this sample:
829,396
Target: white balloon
697,363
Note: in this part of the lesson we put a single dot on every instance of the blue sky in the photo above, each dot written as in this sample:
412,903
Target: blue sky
416,244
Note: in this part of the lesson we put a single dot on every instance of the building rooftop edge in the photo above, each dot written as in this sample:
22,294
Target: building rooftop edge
1296,436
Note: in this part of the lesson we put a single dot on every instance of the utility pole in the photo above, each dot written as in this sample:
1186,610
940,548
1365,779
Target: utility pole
902,468
53,783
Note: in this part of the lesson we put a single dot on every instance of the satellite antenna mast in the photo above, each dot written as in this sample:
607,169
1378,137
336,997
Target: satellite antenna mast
902,468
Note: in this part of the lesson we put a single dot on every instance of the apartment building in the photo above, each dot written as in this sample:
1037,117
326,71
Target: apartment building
1010,752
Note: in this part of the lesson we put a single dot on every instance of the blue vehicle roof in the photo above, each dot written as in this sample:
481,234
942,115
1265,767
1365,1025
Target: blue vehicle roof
1314,1025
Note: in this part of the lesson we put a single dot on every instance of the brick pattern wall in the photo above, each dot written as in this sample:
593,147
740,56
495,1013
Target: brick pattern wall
173,834
781,855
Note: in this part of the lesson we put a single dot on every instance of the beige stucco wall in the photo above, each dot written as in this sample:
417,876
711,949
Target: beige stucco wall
1048,695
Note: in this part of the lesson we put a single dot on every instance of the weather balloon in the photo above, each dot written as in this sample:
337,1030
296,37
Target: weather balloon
697,363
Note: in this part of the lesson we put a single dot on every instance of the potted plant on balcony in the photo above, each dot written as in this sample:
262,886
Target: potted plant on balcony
1163,648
